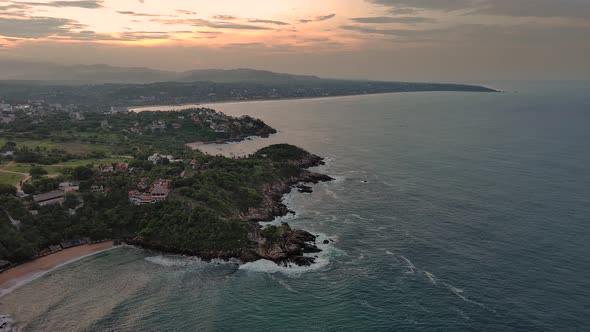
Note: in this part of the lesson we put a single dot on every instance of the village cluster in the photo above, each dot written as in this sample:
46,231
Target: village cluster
146,192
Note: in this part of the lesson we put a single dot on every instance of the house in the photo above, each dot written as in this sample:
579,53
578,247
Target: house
5,107
72,243
50,198
4,264
156,157
112,167
121,166
158,193
119,110
68,187
7,117
106,168
158,126
96,189
77,116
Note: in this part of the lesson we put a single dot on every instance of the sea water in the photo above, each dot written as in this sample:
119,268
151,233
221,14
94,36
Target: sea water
450,212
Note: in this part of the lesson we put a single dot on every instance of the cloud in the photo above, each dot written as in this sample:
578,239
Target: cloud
211,24
185,12
256,20
317,18
325,17
514,8
387,19
225,17
36,27
412,5
88,35
536,8
90,4
132,13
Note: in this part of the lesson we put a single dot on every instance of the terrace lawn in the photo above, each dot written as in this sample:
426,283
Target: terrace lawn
58,168
72,147
11,179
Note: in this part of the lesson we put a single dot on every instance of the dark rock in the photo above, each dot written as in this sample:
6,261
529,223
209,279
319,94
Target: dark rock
311,249
304,189
326,241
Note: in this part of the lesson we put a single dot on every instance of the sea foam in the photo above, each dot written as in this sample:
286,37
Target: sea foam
321,262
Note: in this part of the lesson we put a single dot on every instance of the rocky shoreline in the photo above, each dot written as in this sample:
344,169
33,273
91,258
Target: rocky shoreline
287,246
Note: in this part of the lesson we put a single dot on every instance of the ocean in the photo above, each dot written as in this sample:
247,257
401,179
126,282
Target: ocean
449,212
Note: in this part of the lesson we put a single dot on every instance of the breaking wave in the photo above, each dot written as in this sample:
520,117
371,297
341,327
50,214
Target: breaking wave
184,261
322,261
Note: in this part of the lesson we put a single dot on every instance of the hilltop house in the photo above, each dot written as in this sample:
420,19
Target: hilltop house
157,193
68,187
119,109
156,157
158,126
4,264
50,198
112,167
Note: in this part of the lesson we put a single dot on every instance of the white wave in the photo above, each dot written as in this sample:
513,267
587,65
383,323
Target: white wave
435,281
361,218
27,279
366,304
431,277
411,265
338,179
183,261
284,284
331,193
321,262
7,324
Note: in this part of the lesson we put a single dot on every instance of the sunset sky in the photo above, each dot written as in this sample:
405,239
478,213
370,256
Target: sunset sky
377,39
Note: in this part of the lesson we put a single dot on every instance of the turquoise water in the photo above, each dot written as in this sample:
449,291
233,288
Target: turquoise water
450,212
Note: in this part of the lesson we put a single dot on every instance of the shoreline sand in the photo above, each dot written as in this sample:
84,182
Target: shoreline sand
151,108
21,275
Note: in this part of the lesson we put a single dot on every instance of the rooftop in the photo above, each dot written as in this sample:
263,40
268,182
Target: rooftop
48,196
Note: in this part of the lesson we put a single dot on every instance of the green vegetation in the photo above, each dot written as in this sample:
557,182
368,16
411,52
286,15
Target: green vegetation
203,213
49,136
282,152
11,179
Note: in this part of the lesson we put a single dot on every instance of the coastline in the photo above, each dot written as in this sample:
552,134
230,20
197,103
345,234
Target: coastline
23,274
207,103
290,247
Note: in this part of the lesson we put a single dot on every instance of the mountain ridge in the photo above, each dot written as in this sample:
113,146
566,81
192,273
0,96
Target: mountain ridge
20,70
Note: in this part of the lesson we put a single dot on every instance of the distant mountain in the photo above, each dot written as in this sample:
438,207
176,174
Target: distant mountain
45,71
88,74
242,75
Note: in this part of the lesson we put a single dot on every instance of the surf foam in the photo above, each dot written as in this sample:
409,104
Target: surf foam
321,262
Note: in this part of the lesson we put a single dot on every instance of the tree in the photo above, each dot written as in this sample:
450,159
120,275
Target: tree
29,189
83,173
37,172
6,189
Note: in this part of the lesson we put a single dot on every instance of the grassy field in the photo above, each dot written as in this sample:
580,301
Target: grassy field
11,179
58,168
67,146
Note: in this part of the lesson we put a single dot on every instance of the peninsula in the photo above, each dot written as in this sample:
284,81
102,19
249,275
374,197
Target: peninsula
117,175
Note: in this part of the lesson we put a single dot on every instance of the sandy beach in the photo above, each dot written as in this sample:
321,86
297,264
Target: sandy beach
24,273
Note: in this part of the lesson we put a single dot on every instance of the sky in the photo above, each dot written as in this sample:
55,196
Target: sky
417,40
